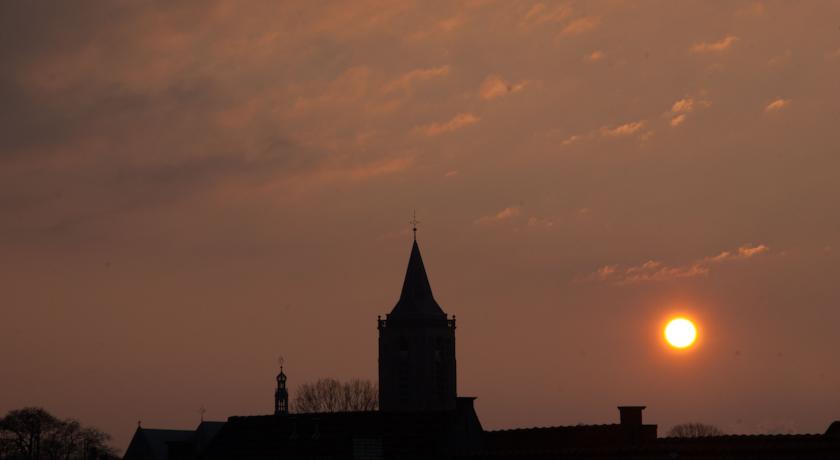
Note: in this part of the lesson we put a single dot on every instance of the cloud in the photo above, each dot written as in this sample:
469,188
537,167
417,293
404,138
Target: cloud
678,120
505,214
439,29
595,56
580,26
622,130
753,9
777,105
406,81
541,14
457,122
572,139
331,172
452,173
746,252
656,271
449,24
495,86
380,168
683,105
352,85
605,272
715,47
540,222
681,108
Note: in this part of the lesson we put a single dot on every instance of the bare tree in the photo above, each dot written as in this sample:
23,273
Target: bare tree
694,430
330,395
32,433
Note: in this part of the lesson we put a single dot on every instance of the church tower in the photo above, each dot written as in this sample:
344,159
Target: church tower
416,348
281,395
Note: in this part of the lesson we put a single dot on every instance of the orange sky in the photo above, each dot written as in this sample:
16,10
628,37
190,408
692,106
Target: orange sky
191,189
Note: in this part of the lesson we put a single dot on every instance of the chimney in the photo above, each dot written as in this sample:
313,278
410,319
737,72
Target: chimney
631,416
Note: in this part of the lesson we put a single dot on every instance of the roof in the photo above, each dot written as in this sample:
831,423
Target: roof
416,299
563,437
335,435
154,443
150,443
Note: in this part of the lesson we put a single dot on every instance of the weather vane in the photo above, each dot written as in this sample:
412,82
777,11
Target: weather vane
414,223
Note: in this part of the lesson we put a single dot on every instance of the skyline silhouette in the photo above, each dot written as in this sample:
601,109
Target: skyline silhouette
189,190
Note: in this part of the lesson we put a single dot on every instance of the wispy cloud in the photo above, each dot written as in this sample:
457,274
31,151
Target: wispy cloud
572,139
685,105
681,108
580,26
622,130
654,270
457,122
595,56
495,86
715,47
540,222
380,168
753,9
780,59
406,81
634,128
505,214
352,85
777,105
743,252
541,14
439,29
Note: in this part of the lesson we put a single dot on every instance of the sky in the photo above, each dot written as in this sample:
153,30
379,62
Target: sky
191,190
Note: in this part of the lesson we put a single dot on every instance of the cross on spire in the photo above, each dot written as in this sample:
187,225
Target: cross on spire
414,223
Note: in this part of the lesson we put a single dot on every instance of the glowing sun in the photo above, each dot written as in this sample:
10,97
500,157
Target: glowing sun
680,333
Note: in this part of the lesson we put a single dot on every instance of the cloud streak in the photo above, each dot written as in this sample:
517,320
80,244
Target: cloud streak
777,105
624,130
457,122
505,214
407,81
715,47
657,271
681,108
495,86
541,14
580,26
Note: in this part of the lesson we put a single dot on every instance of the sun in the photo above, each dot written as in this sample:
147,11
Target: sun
680,333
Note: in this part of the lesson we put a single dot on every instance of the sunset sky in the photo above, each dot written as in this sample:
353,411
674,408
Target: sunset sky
191,189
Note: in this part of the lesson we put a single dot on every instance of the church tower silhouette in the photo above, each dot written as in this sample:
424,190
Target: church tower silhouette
281,395
416,348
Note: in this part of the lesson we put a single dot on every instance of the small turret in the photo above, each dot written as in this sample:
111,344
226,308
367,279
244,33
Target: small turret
281,395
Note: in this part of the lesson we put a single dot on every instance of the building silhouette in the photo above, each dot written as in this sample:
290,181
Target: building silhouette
421,416
416,348
281,395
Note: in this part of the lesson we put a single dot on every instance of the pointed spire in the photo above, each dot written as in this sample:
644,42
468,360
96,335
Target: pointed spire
414,223
416,298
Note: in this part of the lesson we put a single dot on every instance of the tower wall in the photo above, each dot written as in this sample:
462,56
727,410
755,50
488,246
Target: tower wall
417,369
